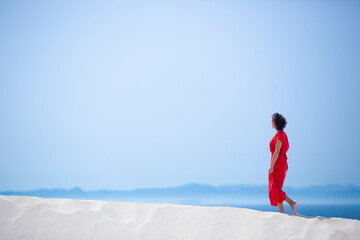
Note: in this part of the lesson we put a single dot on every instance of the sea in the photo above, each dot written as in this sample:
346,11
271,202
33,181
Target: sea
330,210
349,211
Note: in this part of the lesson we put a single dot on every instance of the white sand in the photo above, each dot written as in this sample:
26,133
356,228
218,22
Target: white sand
50,219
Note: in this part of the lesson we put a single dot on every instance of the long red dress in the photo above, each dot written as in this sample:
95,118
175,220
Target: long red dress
277,177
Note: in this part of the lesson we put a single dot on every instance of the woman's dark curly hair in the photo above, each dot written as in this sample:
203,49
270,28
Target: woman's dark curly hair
279,121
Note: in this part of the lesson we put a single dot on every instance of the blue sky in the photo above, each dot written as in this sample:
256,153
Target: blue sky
135,94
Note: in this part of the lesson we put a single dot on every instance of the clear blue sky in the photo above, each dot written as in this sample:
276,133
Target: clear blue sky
135,94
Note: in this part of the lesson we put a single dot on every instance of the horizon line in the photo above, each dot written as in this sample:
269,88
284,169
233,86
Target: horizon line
191,183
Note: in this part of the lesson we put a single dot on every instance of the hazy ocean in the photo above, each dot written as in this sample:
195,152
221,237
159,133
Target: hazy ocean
350,211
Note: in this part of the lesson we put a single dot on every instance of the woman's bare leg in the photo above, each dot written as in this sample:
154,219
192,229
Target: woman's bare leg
281,207
292,204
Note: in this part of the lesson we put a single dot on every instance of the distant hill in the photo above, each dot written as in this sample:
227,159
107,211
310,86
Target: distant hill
202,194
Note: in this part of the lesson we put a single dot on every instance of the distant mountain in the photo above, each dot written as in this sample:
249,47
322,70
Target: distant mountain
202,194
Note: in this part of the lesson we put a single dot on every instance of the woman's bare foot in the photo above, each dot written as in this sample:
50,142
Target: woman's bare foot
293,208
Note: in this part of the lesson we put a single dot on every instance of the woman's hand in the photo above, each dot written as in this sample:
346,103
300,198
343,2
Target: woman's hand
271,169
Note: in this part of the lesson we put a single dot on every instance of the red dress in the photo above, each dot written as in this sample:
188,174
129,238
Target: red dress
277,177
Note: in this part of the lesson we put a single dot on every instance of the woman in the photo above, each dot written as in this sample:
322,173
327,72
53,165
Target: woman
279,145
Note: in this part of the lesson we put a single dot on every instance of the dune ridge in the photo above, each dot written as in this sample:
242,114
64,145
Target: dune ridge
24,217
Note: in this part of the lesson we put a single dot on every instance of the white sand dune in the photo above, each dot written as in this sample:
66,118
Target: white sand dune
23,217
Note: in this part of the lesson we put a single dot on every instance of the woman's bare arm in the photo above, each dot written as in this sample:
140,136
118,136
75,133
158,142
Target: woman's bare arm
276,153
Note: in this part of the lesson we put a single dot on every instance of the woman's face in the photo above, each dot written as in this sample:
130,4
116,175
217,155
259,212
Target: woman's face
272,122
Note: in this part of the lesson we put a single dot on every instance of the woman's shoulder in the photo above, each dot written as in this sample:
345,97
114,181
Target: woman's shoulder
280,133
283,135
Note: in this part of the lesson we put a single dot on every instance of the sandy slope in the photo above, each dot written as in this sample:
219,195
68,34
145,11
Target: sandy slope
24,217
